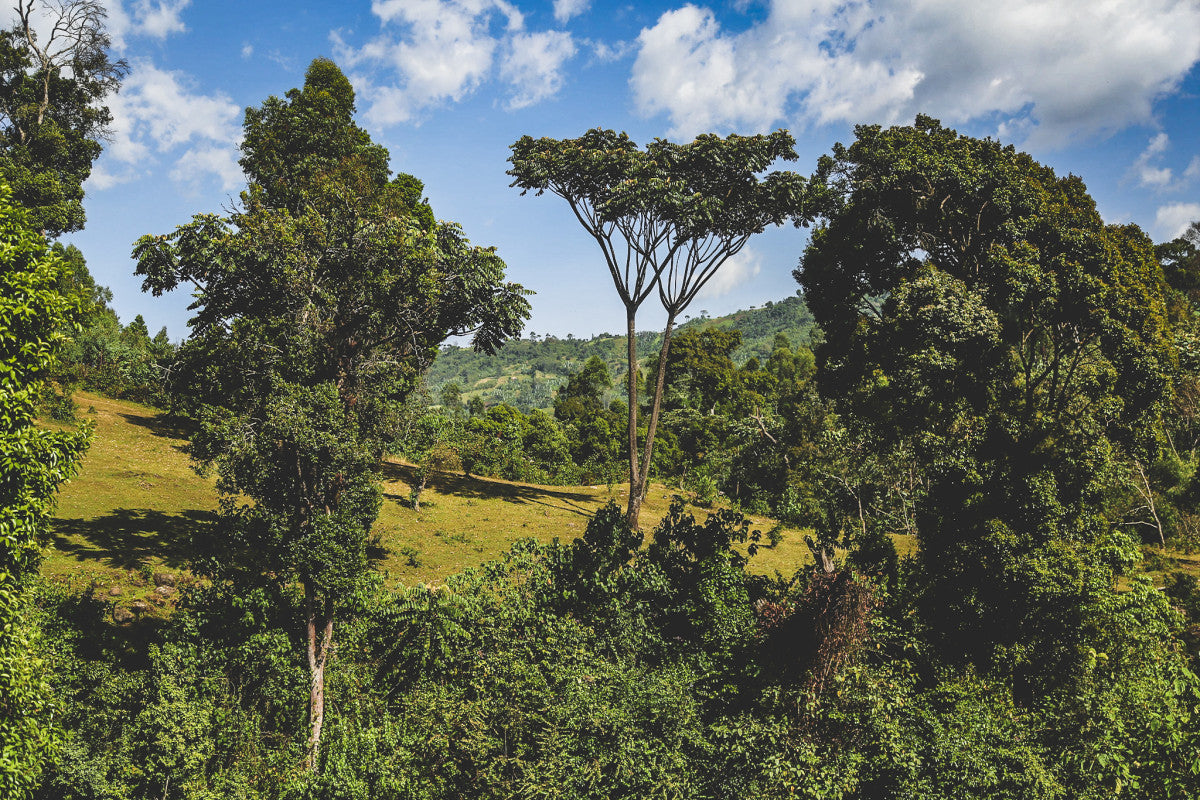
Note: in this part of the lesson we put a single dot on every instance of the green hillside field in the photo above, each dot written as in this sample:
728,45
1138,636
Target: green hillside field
136,505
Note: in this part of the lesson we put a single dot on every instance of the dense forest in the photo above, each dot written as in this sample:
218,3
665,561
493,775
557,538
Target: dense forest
975,363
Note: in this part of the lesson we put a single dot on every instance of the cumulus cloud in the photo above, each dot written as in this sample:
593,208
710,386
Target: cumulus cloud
156,19
102,178
1051,70
1173,219
534,66
431,52
733,273
157,112
1193,169
1150,172
565,9
604,52
1146,168
207,161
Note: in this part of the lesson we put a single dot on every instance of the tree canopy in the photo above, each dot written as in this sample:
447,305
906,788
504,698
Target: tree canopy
977,310
667,218
34,320
55,72
319,302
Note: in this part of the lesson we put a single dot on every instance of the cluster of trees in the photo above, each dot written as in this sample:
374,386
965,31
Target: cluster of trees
1001,375
54,75
725,429
104,356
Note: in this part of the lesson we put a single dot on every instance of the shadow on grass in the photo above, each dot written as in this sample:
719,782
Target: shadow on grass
129,538
161,424
477,488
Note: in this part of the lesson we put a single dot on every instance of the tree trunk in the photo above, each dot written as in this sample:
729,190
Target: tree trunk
655,405
635,477
318,656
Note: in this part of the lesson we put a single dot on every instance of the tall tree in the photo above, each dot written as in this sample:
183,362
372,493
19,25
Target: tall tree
667,218
34,318
55,72
319,302
977,310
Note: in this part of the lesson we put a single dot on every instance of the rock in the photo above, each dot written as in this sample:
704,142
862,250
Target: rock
164,579
164,590
114,591
139,606
122,615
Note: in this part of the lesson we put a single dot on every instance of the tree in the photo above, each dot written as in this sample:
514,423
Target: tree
978,312
34,319
452,397
54,75
667,218
320,300
590,425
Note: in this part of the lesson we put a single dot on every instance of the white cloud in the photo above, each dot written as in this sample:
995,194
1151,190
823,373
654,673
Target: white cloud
1147,171
565,9
431,52
157,112
1173,219
604,52
159,20
733,273
1054,70
534,65
156,19
247,50
205,161
1150,172
101,178
1193,169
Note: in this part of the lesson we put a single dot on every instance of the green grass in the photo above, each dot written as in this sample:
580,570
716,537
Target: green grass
137,502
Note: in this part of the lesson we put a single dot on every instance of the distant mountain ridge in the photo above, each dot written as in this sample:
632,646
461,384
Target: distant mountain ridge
527,372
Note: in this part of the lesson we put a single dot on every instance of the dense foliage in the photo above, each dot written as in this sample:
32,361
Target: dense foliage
321,299
666,218
606,669
55,73
34,319
998,376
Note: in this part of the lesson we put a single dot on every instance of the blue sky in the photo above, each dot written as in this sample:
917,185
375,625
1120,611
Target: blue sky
1107,90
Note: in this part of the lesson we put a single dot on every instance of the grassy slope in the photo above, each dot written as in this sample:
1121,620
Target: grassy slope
136,503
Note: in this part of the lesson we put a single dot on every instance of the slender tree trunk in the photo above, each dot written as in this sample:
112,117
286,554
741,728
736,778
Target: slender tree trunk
635,474
1147,493
318,656
655,405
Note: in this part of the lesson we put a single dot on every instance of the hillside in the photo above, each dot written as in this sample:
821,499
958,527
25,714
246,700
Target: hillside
527,372
136,504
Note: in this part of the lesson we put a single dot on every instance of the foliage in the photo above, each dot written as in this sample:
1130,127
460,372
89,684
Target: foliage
55,73
601,668
977,310
34,316
666,218
527,372
322,298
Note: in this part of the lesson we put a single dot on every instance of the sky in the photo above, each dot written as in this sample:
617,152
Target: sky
1105,89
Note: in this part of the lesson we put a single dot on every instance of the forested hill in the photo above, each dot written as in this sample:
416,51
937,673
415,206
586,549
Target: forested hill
527,372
